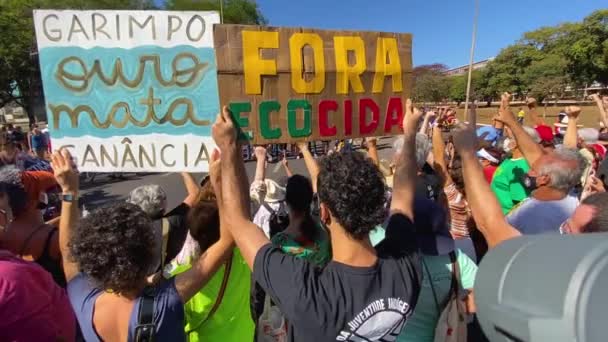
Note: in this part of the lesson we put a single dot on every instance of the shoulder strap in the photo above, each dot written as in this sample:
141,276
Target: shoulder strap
29,238
432,287
165,234
46,248
455,274
220,294
146,329
268,207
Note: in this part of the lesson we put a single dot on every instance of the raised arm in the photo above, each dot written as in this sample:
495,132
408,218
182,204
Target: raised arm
285,164
482,201
601,103
439,164
311,164
531,102
260,163
425,122
192,189
191,281
530,149
571,136
67,178
372,150
235,202
404,179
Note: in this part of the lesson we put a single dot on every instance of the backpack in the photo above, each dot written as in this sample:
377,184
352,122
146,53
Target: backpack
452,323
278,221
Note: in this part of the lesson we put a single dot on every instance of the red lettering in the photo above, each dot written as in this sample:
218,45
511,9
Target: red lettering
364,105
348,117
395,106
325,107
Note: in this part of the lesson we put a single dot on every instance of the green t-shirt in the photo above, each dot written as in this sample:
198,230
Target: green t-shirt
421,326
232,320
317,252
508,185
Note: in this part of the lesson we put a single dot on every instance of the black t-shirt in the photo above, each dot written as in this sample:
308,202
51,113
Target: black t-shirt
428,184
341,302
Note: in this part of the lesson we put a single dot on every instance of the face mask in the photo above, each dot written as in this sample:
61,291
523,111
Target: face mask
506,145
530,182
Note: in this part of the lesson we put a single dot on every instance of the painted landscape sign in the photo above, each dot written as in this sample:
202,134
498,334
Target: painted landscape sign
291,84
130,91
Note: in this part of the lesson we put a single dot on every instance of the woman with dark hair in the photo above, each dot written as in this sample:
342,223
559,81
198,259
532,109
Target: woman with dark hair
26,234
220,310
107,261
303,237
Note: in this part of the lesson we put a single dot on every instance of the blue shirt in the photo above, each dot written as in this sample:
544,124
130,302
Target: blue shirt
168,310
39,141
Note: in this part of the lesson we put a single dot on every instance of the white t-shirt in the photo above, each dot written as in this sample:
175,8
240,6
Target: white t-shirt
532,216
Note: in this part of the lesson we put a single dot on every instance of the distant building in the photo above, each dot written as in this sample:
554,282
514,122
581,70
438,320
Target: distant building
462,70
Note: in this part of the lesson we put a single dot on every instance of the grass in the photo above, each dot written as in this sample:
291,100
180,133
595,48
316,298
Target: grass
589,117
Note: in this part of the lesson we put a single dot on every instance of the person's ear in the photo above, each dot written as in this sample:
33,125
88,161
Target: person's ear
324,214
543,180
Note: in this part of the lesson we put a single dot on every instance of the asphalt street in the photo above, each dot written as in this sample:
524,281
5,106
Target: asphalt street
105,189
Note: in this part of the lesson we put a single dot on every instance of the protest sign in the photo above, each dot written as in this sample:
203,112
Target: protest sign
130,90
293,84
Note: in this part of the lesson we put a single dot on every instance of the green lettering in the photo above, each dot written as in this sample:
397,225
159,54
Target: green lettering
236,109
292,107
266,107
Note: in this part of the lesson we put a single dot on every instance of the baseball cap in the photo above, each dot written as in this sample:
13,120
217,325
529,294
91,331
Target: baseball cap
488,133
544,132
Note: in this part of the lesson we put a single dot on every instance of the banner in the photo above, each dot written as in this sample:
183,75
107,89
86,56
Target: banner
292,84
130,91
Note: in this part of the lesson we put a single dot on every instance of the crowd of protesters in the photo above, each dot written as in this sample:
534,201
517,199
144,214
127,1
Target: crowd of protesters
363,249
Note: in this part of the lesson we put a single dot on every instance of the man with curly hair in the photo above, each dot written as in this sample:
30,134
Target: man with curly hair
363,293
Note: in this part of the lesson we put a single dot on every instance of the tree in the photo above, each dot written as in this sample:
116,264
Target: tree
235,11
587,49
429,84
546,77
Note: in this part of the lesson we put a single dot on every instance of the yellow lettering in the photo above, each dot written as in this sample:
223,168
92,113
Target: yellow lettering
296,46
345,72
253,65
386,48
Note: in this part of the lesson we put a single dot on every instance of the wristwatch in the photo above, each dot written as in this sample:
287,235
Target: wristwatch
69,197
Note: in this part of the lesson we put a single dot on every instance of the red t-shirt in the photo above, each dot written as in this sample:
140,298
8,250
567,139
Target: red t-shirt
488,172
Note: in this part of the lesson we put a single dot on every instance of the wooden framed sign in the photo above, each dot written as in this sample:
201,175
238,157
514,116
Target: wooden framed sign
291,84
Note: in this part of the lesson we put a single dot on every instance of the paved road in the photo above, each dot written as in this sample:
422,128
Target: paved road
104,189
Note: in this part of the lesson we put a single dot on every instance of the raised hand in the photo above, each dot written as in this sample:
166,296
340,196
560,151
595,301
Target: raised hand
464,139
411,118
65,171
302,146
223,131
505,115
284,160
260,152
573,112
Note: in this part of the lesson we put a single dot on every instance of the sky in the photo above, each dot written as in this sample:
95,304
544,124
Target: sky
441,28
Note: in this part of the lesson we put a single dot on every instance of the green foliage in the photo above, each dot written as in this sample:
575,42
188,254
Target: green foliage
429,83
545,61
235,11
